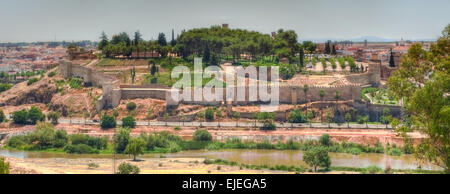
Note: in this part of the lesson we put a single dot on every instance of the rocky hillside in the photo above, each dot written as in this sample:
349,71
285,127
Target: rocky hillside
40,92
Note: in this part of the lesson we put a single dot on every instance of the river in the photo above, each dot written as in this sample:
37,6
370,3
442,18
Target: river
259,157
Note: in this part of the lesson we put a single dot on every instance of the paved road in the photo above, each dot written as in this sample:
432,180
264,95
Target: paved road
80,121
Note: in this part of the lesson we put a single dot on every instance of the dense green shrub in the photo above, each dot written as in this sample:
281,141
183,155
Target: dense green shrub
202,135
131,106
296,116
4,87
107,122
51,74
125,168
80,149
287,71
32,81
209,114
128,121
35,115
20,117
325,140
24,117
395,152
76,83
121,139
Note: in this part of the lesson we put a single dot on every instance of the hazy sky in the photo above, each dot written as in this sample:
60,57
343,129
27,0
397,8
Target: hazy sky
45,20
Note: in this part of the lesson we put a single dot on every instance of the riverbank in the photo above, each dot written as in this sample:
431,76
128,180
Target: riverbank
105,166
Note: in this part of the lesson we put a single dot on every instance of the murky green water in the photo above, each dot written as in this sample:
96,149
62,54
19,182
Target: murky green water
260,157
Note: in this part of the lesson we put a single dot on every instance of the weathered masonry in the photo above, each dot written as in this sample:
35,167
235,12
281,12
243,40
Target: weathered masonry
113,92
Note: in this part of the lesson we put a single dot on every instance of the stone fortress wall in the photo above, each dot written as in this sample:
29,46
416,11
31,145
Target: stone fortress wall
113,92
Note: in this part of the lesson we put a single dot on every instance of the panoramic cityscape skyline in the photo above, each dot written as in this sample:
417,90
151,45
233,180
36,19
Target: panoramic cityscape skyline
42,20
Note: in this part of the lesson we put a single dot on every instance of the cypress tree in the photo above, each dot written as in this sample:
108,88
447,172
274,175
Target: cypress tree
391,60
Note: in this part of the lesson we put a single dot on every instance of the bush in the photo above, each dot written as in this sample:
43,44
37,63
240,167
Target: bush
125,168
107,122
325,140
209,114
75,83
53,117
16,141
61,139
128,122
51,74
202,135
34,115
93,165
77,139
32,81
80,149
287,71
296,116
395,152
4,87
20,117
373,170
131,106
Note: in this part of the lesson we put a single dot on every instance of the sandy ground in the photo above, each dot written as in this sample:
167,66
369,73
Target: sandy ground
147,166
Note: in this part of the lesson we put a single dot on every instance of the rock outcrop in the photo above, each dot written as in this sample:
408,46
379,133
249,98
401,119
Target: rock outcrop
40,92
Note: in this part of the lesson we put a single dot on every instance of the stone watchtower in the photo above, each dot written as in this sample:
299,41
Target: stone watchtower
374,72
65,68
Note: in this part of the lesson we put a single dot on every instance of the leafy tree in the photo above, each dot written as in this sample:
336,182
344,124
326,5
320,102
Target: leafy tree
128,121
162,39
125,168
329,118
121,139
317,157
202,135
386,116
423,83
348,118
135,147
107,122
103,41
